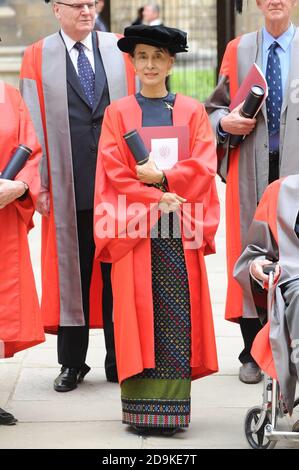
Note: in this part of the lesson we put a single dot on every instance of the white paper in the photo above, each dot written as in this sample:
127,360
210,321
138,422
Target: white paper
165,152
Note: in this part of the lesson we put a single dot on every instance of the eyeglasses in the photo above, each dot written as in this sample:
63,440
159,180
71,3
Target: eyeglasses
79,6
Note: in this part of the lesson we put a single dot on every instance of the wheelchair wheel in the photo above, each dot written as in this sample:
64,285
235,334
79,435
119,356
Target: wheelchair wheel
257,440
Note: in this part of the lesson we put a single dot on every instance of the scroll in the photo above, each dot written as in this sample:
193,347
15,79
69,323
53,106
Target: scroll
137,147
250,108
16,163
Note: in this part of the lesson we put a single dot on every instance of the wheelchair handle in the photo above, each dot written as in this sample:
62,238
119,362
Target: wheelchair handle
269,268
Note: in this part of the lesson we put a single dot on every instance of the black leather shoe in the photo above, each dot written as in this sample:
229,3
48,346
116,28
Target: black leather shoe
142,430
69,377
82,372
169,431
7,419
148,431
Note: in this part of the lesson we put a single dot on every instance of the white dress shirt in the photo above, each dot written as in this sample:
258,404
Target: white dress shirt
156,22
74,53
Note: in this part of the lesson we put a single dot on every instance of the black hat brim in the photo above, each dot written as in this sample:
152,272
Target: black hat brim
128,44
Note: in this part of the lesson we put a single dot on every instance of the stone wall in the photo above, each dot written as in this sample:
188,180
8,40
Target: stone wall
197,17
22,22
33,19
251,18
25,21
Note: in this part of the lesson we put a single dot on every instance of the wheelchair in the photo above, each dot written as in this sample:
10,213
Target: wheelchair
261,422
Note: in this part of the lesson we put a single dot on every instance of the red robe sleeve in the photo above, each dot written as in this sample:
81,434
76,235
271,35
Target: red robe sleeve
30,173
200,168
116,181
118,166
194,178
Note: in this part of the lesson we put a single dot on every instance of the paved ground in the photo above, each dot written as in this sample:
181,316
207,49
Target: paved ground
89,417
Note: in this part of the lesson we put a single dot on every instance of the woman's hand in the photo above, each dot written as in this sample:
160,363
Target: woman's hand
256,269
170,202
149,173
10,191
43,203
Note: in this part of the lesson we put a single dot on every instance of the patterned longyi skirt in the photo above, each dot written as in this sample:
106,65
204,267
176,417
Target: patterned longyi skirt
160,397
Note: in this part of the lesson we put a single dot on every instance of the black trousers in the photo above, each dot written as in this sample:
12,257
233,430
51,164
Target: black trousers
249,329
273,166
72,342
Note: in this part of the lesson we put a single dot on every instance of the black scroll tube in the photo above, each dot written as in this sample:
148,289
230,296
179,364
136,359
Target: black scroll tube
248,110
16,163
137,147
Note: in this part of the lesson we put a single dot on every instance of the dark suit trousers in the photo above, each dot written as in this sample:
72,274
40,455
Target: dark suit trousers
73,340
249,329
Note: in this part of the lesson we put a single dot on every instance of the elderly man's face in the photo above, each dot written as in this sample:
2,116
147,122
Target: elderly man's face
149,14
76,17
276,10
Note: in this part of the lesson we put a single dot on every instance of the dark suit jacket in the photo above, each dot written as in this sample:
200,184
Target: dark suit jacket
85,127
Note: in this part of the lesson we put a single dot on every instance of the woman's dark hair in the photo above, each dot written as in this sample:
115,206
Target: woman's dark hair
172,54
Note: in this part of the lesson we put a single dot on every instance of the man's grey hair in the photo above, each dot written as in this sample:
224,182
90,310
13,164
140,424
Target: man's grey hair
155,7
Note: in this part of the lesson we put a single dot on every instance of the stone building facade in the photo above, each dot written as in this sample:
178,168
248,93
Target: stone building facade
251,19
32,20
25,21
198,17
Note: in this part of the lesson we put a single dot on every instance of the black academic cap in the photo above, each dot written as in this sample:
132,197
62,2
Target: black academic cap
239,5
171,39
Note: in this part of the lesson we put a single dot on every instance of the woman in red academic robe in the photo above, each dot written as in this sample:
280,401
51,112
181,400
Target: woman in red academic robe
162,313
20,319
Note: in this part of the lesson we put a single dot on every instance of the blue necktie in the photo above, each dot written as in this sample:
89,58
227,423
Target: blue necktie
274,100
86,73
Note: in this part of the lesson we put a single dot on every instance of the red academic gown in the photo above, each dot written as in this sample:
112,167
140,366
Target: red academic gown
272,236
36,96
234,302
246,179
194,179
267,212
20,318
229,68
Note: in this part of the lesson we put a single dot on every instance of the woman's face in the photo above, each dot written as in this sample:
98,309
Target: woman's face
152,64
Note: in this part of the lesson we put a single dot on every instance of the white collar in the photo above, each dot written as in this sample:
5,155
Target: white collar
155,22
69,42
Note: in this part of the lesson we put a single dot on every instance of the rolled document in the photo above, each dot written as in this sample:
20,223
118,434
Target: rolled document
16,163
249,110
137,147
